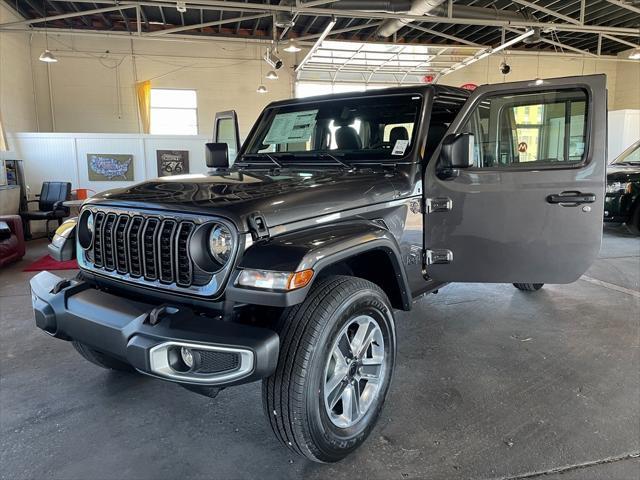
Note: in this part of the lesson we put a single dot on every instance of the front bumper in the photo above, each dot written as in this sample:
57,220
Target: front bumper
149,337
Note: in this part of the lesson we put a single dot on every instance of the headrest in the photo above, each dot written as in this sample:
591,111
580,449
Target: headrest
398,133
347,138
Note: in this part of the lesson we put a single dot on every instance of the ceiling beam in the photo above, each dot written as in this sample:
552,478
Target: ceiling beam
548,11
339,31
316,45
66,15
558,44
443,35
621,41
186,38
77,9
624,5
214,23
329,12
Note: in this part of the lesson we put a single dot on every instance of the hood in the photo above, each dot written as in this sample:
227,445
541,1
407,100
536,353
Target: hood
623,173
281,197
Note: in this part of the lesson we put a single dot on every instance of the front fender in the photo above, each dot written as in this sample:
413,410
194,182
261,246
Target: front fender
317,248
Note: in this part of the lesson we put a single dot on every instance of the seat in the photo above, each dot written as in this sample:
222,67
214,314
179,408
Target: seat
347,138
434,137
50,205
398,133
12,246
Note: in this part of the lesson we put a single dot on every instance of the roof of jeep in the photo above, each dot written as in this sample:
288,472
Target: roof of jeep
415,89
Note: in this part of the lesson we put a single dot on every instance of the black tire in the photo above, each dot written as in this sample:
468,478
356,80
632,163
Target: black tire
308,331
101,359
633,225
528,287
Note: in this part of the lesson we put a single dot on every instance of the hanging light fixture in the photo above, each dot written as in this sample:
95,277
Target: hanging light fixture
261,88
272,75
292,47
46,56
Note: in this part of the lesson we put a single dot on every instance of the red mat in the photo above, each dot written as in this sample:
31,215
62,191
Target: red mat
48,263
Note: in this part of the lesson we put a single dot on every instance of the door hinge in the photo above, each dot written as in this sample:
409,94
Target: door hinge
441,204
439,256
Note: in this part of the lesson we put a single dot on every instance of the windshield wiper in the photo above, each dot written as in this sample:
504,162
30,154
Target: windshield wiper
262,155
336,159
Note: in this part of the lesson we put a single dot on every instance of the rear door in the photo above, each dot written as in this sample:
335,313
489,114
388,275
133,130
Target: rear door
225,130
528,206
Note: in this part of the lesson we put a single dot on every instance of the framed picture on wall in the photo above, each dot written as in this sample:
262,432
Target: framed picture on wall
105,167
172,162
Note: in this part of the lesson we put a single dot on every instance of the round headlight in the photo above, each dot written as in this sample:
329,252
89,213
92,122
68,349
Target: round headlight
220,244
85,229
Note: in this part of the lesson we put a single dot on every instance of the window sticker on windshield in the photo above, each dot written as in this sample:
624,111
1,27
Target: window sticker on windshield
400,147
294,127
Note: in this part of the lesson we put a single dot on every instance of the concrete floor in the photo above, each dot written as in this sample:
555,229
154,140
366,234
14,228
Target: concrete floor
491,383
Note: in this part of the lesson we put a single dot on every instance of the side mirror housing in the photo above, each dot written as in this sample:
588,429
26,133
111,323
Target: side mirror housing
217,155
457,151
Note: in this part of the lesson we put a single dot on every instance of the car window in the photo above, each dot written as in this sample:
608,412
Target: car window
367,128
629,156
529,130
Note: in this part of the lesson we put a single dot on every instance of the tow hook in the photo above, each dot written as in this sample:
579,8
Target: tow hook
156,315
61,285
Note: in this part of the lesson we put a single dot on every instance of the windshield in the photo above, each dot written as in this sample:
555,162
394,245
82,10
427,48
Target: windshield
367,128
630,155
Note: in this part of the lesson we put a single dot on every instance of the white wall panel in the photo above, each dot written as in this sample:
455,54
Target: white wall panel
63,156
46,157
624,129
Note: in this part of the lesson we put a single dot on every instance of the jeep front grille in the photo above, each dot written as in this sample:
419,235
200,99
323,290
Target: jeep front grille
149,247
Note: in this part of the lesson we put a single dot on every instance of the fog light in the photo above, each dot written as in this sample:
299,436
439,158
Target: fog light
187,356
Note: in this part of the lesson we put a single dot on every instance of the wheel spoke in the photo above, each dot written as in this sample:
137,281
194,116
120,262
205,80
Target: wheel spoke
370,372
362,338
355,400
343,350
334,390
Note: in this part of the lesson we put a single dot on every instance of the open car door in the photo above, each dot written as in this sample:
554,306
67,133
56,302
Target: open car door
515,192
225,130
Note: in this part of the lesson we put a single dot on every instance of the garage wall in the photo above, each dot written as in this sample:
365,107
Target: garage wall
528,67
17,104
624,130
93,83
63,156
627,85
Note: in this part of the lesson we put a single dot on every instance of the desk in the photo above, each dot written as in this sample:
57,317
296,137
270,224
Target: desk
74,206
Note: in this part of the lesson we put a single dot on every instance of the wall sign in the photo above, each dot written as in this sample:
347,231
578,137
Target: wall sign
172,162
105,167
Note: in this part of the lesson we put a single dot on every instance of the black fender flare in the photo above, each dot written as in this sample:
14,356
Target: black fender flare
317,248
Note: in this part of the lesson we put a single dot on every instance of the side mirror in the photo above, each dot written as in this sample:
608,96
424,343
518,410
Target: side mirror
217,155
457,151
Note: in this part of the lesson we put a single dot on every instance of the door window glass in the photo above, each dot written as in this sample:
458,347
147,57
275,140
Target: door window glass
529,130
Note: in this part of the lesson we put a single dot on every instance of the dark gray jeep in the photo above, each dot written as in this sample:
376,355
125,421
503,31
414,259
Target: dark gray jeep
287,267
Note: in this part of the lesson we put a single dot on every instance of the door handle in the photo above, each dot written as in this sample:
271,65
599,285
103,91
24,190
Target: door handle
573,198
